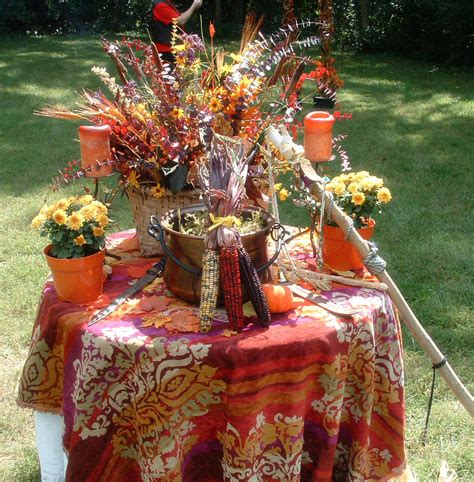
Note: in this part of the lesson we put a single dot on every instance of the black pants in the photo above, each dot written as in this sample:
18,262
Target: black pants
168,57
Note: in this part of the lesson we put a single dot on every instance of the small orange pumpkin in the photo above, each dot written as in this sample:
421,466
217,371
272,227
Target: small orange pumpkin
280,298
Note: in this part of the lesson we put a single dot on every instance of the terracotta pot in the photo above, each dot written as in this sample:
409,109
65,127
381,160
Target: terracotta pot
95,147
340,254
318,136
78,280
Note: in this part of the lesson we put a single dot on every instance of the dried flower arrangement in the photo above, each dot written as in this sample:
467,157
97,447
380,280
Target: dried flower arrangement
162,118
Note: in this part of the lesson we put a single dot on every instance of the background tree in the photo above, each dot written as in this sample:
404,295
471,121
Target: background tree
440,30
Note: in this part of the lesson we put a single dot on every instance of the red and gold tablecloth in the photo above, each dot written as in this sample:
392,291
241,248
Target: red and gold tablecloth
144,397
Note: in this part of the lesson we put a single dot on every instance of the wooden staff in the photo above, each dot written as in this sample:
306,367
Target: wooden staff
315,184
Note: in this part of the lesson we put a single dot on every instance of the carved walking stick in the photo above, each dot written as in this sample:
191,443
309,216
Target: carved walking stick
374,263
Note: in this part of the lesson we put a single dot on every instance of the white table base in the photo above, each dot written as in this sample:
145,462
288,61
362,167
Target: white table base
49,442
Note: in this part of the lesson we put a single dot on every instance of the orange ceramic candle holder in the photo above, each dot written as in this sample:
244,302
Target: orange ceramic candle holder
318,136
95,148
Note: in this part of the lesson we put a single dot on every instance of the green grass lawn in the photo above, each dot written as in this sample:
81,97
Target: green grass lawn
412,125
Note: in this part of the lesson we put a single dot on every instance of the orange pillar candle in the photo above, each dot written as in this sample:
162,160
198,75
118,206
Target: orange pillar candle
318,136
95,148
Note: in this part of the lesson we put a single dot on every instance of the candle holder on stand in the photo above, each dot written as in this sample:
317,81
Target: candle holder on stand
95,152
318,136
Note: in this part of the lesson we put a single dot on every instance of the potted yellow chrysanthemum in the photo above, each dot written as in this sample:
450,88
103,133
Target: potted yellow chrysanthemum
359,195
76,228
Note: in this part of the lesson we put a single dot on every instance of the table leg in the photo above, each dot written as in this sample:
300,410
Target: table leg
49,443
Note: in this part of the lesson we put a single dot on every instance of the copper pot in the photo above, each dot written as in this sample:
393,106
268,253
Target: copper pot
182,273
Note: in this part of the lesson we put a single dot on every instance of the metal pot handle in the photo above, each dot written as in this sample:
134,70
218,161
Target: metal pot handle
279,238
155,230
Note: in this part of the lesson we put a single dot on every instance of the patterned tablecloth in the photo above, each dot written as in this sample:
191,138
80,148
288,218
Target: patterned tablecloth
146,397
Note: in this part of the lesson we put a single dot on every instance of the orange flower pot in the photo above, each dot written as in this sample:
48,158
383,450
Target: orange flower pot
78,280
318,136
95,147
340,254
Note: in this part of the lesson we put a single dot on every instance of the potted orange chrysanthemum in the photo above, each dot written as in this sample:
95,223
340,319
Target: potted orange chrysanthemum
76,228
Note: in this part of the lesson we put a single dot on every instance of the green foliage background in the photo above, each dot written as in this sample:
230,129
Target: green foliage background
441,30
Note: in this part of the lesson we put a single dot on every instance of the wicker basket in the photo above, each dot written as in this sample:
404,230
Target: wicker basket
144,205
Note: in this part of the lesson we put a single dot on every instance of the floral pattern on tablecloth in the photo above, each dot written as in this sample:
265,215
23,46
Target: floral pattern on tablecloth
271,451
151,400
146,397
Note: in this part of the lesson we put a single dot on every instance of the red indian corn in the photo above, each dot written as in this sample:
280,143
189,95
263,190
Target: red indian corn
232,290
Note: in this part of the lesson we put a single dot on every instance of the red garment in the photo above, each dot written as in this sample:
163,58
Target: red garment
164,12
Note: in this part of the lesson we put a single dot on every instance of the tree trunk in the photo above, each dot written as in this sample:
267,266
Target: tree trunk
218,11
364,14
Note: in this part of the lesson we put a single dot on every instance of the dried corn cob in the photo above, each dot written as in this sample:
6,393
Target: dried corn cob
230,278
254,287
209,289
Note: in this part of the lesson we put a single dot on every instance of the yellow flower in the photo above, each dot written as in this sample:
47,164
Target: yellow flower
102,220
142,108
179,48
353,187
366,184
80,240
60,216
342,178
236,57
75,221
283,194
89,212
86,199
277,186
50,211
196,67
349,177
157,191
225,69
45,212
181,62
245,82
215,104
102,208
63,204
339,188
38,220
358,198
98,231
384,195
133,180
377,182
358,176
371,182
177,113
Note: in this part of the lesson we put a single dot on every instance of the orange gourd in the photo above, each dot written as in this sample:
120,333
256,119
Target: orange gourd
280,298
